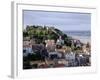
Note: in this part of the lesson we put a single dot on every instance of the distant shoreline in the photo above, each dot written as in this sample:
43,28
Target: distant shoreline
82,39
83,36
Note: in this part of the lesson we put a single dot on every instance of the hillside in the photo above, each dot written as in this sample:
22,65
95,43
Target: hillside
42,33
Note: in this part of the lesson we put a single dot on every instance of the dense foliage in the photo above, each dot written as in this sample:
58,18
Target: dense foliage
42,33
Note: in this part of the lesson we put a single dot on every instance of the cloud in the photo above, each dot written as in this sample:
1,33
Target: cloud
61,20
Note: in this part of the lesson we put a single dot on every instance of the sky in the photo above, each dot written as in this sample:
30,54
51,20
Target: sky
65,21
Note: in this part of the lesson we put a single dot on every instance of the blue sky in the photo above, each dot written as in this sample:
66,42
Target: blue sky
65,21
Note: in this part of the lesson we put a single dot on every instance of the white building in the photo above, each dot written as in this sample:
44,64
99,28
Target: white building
70,56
